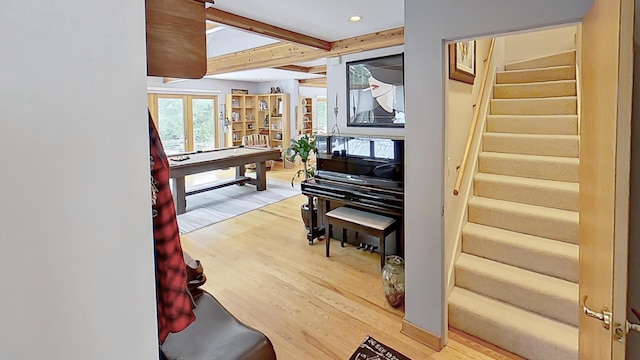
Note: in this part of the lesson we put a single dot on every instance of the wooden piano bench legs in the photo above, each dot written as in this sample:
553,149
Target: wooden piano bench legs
362,221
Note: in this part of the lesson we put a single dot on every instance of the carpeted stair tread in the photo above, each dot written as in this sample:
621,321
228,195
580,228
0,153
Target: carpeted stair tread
519,331
532,144
542,255
561,105
533,124
564,72
562,58
555,194
533,166
542,89
527,219
546,295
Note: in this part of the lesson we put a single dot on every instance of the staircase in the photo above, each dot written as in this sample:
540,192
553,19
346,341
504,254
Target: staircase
516,280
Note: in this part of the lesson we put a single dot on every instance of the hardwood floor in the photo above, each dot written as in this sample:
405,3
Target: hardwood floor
261,268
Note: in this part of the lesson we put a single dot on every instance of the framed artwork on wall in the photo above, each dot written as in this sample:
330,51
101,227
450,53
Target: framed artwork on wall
375,92
462,61
239,91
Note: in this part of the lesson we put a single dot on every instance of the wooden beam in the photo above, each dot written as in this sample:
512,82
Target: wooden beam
296,68
319,82
320,69
211,26
168,80
282,54
377,40
243,23
273,55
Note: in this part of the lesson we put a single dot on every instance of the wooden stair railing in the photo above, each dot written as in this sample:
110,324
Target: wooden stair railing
474,121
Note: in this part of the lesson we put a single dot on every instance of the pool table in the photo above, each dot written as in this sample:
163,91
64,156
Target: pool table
198,162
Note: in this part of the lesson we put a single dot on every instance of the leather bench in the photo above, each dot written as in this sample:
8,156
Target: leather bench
362,221
216,334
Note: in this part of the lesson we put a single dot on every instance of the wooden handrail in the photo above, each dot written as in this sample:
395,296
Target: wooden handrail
474,121
579,97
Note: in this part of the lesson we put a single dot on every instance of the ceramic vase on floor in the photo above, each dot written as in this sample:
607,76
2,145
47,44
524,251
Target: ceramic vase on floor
393,280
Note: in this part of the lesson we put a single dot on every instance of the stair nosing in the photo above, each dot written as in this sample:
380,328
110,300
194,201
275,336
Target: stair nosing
535,69
526,181
547,82
526,135
527,240
567,159
567,215
511,269
557,251
542,57
519,312
571,97
529,116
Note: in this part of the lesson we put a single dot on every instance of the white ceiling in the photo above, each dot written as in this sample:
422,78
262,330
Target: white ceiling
327,20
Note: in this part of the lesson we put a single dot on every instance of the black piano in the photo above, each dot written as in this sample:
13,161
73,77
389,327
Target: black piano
358,171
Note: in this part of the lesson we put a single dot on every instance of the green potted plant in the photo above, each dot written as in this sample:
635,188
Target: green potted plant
303,147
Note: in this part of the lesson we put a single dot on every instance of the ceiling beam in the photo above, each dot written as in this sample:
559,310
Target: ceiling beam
296,68
274,55
321,70
371,41
169,80
243,23
319,82
210,26
282,54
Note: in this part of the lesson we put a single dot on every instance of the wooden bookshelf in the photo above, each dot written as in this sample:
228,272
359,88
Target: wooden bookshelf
259,114
306,116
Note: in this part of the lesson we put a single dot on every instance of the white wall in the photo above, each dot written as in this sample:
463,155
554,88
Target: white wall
427,24
76,250
534,44
314,92
337,84
460,100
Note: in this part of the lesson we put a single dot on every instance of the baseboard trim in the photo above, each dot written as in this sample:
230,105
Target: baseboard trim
422,336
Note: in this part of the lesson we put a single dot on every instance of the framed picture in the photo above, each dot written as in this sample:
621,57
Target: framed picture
462,61
239,91
375,92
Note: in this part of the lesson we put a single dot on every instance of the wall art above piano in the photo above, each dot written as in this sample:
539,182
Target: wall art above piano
375,92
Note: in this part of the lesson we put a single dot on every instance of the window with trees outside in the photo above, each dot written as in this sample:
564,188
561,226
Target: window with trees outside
321,125
185,122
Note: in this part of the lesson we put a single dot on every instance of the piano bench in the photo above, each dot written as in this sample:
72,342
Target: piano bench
362,221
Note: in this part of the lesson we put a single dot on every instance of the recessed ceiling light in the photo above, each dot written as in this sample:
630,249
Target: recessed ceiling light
355,18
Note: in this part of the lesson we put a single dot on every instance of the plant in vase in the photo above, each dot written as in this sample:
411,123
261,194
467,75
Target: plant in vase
303,147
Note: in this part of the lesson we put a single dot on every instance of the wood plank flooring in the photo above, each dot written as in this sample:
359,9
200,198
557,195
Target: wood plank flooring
261,268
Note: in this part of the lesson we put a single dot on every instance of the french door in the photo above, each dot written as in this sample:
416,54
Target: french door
185,122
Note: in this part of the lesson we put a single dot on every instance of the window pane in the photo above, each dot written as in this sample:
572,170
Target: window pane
359,147
171,124
321,125
384,149
204,123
